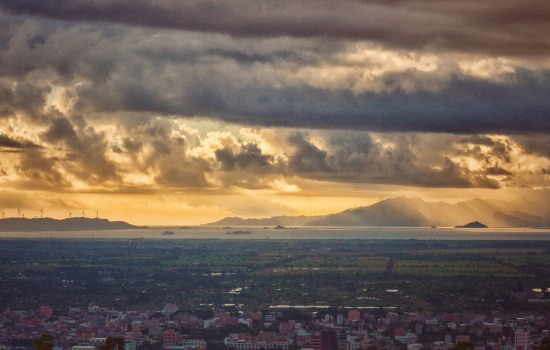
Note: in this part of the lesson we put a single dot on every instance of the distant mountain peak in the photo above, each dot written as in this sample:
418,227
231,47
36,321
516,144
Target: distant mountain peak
408,212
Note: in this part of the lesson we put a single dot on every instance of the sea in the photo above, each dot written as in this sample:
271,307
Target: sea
306,233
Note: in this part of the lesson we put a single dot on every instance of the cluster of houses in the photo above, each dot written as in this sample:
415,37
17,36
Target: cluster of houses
87,329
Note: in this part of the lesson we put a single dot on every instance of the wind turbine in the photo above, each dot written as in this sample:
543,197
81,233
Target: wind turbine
18,212
70,214
97,214
3,215
82,212
42,212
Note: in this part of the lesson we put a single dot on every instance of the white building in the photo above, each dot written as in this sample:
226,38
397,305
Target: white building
211,322
193,343
234,342
415,346
245,321
522,339
82,347
353,343
408,338
170,309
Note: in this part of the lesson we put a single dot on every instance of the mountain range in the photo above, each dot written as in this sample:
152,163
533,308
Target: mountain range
413,212
72,224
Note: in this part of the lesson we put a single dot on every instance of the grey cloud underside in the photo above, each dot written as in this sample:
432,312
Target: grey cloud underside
357,158
466,105
503,27
246,81
348,157
9,143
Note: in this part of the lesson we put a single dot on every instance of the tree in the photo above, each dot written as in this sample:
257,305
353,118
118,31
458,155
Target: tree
44,342
113,343
544,344
463,345
508,332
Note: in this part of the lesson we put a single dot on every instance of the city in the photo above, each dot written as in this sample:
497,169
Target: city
275,294
279,330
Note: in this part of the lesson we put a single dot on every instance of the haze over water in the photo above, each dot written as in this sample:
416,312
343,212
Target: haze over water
421,233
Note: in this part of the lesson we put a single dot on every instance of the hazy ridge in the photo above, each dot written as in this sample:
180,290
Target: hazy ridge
272,221
71,224
411,212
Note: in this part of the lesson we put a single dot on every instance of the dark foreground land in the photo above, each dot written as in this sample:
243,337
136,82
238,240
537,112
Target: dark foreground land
412,275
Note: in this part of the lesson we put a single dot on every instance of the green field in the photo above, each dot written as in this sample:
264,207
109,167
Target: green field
407,274
448,267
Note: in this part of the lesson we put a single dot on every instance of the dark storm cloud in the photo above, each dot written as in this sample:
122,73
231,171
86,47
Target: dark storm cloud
465,105
26,99
189,174
18,144
494,151
84,147
356,158
248,167
535,144
40,172
246,81
477,140
250,158
241,56
153,150
501,27
498,171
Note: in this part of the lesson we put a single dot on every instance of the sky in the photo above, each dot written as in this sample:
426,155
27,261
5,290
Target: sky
184,112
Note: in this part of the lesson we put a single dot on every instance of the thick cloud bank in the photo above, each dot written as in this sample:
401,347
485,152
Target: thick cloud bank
437,66
107,96
503,27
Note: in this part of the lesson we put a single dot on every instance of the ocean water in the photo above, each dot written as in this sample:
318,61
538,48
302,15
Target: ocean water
420,233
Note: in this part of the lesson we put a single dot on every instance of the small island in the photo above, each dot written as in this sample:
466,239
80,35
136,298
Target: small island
168,233
279,227
239,233
475,224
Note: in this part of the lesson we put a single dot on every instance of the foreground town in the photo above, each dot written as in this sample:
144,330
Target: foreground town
281,329
275,295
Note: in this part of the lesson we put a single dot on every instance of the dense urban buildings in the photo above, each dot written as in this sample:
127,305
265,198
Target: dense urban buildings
87,329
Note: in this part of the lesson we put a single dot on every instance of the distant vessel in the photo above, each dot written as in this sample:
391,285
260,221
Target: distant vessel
280,227
239,233
168,233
